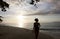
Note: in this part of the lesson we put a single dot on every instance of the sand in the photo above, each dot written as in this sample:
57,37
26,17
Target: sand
8,32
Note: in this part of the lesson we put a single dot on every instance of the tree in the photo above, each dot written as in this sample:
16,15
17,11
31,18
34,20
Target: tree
1,19
37,0
3,5
32,1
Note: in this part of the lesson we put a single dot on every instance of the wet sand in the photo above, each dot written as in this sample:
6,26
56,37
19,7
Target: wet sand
8,32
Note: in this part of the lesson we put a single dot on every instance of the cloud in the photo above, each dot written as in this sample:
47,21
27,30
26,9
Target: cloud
44,7
46,13
51,7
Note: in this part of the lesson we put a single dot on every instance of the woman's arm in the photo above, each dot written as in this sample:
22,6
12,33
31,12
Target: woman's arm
39,25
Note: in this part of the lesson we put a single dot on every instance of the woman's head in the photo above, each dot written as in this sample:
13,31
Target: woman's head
36,19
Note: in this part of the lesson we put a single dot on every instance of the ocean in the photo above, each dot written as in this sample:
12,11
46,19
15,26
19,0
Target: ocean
48,22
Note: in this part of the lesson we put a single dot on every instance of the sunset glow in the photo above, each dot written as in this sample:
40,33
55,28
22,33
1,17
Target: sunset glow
20,21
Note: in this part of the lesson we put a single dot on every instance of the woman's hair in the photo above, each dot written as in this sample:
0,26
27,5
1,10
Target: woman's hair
36,19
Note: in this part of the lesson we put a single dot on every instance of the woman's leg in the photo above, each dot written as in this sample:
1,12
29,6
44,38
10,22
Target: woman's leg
36,34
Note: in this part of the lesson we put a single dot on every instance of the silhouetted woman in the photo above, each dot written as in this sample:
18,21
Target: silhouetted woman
36,27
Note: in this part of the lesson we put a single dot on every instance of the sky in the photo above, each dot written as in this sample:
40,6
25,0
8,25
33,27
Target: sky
46,10
23,6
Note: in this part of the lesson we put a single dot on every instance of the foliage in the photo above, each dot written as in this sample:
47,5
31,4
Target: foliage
3,5
32,1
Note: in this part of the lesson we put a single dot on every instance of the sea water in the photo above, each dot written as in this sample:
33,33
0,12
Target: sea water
46,21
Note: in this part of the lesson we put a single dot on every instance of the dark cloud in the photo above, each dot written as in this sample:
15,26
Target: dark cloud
56,11
46,13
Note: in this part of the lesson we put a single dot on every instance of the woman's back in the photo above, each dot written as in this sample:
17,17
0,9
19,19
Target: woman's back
36,25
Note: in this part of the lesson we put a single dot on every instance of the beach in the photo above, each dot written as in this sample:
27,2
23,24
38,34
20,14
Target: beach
8,32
